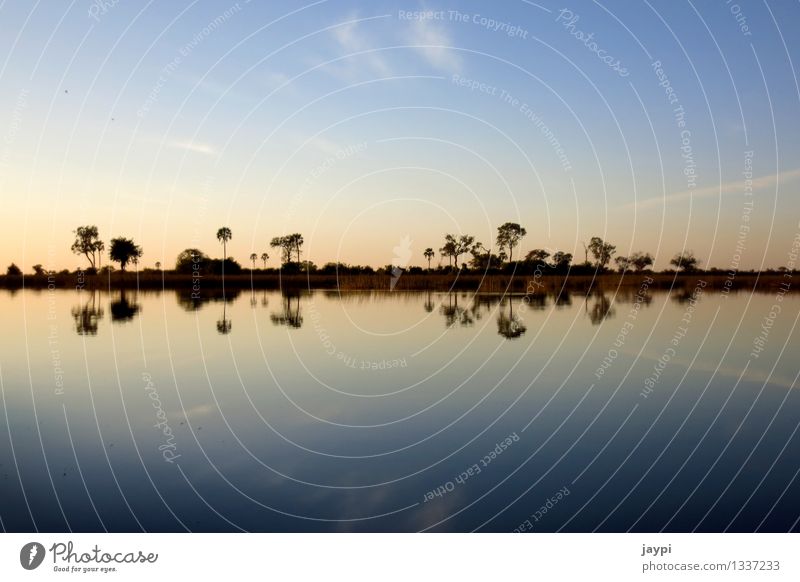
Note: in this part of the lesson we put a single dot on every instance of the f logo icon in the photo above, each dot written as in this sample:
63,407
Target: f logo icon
31,555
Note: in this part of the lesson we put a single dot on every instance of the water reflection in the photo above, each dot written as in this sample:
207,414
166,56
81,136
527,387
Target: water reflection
122,309
290,316
194,300
368,344
510,325
601,309
563,299
224,325
87,316
428,305
454,313
459,309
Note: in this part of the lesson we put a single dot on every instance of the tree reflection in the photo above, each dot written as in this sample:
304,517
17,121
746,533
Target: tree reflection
194,300
428,305
510,326
290,316
455,314
601,309
122,309
87,317
563,299
536,301
483,303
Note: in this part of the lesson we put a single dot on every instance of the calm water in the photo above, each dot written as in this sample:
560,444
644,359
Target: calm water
398,412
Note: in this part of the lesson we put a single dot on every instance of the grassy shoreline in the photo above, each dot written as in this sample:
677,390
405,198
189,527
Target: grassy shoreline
494,283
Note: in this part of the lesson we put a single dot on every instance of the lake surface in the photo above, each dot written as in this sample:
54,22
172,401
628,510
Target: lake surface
323,411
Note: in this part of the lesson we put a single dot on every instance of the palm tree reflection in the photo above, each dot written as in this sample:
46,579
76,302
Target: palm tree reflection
428,305
224,325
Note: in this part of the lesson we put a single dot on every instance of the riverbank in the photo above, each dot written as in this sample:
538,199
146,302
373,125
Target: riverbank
495,283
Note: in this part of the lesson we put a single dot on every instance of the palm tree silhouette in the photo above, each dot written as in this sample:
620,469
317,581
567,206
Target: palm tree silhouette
224,234
264,257
253,258
429,254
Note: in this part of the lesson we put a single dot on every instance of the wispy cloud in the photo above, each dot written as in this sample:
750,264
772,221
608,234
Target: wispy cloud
350,37
434,43
192,146
760,183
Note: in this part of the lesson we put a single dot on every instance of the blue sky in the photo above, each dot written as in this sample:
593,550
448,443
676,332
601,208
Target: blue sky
358,125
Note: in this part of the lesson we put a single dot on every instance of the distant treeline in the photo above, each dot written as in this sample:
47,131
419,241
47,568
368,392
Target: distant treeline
469,263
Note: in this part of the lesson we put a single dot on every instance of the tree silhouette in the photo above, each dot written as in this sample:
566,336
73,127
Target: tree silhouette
296,241
449,248
455,247
290,243
39,271
286,245
463,245
123,250
13,270
640,261
538,256
686,261
429,254
508,236
623,263
264,257
561,260
190,260
224,234
158,265
87,243
601,251
253,258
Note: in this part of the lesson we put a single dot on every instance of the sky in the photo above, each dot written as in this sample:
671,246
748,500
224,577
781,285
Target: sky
374,128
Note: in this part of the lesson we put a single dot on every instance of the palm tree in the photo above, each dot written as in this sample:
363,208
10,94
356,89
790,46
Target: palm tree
429,254
253,258
158,265
224,234
264,257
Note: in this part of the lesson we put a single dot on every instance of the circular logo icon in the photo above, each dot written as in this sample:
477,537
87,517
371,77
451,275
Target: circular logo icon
31,555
